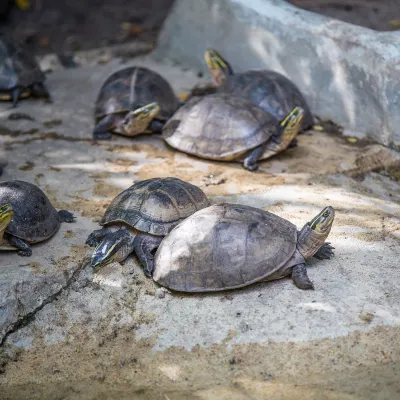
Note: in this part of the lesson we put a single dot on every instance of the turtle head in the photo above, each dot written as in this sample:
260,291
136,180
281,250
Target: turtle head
6,214
115,246
322,223
218,67
315,232
291,125
138,121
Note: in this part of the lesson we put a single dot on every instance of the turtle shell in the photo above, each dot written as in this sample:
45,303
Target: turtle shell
134,87
155,205
224,246
270,90
35,219
18,67
219,127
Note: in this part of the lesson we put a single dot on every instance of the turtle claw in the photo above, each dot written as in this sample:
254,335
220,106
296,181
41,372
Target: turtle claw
24,253
325,252
91,240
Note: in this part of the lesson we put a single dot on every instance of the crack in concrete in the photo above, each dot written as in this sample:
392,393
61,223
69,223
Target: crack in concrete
29,317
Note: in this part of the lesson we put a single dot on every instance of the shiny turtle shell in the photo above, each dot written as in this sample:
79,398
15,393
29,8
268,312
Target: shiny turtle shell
155,205
134,87
35,219
219,127
225,246
271,91
18,68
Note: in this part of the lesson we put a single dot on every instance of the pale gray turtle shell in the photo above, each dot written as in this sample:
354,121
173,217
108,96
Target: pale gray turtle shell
224,246
133,87
271,91
155,205
219,127
35,219
18,66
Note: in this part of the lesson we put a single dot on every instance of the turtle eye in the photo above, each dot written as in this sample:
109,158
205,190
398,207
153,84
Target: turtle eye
325,214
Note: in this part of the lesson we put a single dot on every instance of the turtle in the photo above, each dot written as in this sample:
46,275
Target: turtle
20,74
228,246
27,216
133,101
225,127
268,89
139,217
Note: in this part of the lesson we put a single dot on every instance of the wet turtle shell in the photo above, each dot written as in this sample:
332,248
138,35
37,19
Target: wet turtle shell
254,243
35,219
219,127
134,87
18,69
155,205
271,91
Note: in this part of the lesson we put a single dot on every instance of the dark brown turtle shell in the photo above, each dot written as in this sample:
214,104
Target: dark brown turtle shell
134,87
219,127
155,205
18,67
35,219
271,91
225,246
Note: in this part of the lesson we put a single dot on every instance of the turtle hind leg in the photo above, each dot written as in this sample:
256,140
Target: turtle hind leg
300,277
145,247
325,252
23,247
39,90
66,216
102,131
15,93
250,162
97,236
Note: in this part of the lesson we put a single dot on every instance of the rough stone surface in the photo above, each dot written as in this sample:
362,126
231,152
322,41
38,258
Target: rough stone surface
116,334
348,73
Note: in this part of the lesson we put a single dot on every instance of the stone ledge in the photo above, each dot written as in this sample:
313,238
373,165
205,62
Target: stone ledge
348,73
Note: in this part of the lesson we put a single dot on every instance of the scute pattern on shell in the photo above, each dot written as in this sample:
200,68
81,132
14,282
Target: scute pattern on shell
219,127
155,205
35,219
270,90
18,66
224,246
133,87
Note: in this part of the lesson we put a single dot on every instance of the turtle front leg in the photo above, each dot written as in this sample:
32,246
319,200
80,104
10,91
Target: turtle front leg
325,252
156,126
102,131
300,277
97,236
23,247
66,216
145,247
250,162
39,90
15,93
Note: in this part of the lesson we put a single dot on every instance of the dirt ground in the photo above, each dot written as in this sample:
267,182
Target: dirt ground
374,14
67,26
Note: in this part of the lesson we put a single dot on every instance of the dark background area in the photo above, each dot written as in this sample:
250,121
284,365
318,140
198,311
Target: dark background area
64,26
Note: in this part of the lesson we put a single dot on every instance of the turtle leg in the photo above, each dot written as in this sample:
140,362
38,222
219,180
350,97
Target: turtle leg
15,93
102,131
39,90
156,126
144,247
97,236
24,249
325,252
293,143
250,162
300,277
66,216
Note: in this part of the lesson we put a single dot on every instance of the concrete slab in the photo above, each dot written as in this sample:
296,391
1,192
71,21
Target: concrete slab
116,334
348,73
